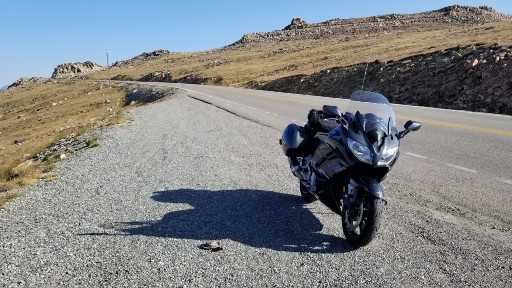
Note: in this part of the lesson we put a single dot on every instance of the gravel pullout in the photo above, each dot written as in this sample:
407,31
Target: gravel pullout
134,212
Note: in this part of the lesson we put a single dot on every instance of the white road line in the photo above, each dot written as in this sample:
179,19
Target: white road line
274,114
508,181
416,155
267,112
451,110
461,168
293,120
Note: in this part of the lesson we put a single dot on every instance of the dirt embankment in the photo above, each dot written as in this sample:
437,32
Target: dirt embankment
472,78
142,94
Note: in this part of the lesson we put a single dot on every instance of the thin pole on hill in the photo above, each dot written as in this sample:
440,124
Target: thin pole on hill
108,71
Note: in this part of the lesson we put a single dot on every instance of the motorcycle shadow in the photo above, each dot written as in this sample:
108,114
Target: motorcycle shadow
262,219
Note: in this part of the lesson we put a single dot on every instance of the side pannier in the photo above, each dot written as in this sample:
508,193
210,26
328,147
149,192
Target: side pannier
295,141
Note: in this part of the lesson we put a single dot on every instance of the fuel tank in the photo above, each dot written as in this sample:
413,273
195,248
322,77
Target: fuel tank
330,156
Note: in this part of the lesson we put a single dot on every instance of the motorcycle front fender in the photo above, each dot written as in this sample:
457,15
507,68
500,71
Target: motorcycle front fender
370,185
333,195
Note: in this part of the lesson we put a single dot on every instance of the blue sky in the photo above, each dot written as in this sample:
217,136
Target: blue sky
38,35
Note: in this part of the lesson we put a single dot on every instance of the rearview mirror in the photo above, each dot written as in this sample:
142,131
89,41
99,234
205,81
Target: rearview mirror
409,126
332,111
412,125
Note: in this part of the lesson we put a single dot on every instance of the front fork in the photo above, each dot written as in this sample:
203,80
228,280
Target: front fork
357,185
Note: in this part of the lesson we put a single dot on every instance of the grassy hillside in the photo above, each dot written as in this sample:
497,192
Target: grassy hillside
34,116
264,62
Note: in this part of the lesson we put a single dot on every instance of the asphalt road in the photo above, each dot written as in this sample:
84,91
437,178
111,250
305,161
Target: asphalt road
133,211
477,141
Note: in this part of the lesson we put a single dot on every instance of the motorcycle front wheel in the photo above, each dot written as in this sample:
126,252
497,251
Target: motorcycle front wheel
361,220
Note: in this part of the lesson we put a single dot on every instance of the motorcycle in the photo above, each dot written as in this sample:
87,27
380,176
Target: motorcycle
343,167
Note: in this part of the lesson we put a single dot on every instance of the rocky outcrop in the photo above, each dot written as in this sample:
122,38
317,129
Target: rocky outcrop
26,81
297,23
68,70
146,56
157,76
366,27
474,78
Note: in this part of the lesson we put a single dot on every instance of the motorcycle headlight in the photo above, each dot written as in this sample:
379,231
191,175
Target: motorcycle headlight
388,154
360,151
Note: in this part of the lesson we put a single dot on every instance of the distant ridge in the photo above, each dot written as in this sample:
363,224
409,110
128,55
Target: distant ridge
368,26
4,88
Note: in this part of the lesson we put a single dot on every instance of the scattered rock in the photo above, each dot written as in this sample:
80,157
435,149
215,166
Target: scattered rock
427,80
70,144
213,246
157,76
195,79
136,93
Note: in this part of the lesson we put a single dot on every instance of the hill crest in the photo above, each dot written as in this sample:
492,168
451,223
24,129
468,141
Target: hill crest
355,28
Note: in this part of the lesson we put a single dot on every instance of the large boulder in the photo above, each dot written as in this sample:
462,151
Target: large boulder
297,23
74,69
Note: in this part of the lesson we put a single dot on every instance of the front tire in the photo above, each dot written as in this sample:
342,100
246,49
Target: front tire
361,221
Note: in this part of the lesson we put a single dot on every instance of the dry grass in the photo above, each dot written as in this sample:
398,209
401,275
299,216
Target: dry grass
37,115
240,66
50,177
92,142
4,198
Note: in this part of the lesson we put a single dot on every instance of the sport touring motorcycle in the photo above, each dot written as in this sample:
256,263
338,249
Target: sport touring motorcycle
343,166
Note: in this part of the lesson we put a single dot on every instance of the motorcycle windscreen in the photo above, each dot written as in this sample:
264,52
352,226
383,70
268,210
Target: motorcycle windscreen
376,112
